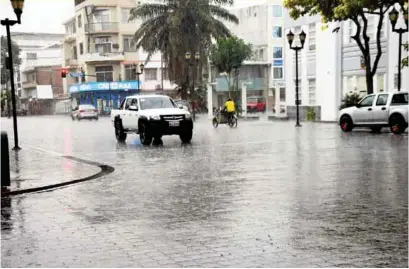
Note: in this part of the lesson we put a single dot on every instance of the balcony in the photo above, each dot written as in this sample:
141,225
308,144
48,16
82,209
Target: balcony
71,62
104,57
69,37
29,84
102,27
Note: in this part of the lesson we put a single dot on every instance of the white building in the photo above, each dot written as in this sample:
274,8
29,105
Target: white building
330,65
262,26
37,49
99,41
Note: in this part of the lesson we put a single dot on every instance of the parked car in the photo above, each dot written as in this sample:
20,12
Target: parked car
82,112
151,116
256,104
376,111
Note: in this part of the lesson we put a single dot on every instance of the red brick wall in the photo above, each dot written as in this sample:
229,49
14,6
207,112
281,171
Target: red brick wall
51,76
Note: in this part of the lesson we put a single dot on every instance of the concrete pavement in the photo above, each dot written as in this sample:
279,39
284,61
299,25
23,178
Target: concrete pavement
262,195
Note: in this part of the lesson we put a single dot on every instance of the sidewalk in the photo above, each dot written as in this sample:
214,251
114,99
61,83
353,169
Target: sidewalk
31,169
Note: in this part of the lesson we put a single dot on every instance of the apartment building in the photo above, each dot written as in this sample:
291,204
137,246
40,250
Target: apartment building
99,41
262,26
37,49
330,65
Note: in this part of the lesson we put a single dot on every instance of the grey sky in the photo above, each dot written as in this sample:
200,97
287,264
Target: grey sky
48,15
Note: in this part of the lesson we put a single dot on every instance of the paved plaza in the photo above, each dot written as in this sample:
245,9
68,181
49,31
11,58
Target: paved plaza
266,194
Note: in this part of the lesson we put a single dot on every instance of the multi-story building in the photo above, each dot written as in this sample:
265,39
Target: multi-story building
37,49
330,65
99,41
262,27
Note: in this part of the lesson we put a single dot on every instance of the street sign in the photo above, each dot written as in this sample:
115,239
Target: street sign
76,75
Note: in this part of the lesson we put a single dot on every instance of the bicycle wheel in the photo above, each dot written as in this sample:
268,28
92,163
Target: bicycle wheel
215,123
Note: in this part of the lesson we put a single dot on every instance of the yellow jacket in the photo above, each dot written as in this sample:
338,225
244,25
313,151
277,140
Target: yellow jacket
229,105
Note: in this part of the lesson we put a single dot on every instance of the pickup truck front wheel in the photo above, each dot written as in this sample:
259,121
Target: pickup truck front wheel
186,136
120,135
144,136
397,124
346,123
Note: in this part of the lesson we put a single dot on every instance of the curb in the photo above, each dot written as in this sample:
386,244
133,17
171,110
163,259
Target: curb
105,170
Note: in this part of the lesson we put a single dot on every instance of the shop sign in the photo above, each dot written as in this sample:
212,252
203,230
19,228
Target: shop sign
104,86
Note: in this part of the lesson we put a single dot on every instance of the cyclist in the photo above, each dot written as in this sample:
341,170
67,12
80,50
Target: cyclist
229,107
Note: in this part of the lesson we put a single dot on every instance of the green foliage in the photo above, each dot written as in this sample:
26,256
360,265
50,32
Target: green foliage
406,59
311,114
175,27
228,55
350,99
3,56
356,11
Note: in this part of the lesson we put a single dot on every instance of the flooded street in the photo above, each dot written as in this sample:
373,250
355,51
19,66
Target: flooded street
266,194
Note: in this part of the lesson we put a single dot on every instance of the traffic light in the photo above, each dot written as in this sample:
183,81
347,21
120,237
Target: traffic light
63,72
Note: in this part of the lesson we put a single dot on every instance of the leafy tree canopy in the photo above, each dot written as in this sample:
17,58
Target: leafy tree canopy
3,55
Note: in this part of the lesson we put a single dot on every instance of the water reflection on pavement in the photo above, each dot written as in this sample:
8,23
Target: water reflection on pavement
264,194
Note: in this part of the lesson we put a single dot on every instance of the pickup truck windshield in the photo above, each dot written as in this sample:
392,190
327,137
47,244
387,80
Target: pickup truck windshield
156,102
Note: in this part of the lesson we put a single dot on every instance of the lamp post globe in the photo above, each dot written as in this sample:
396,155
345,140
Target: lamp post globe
302,36
18,6
188,55
393,17
290,37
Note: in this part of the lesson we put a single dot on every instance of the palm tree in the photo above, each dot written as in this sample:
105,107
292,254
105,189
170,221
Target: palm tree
174,27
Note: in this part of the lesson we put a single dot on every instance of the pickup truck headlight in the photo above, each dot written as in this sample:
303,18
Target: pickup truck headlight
156,117
188,116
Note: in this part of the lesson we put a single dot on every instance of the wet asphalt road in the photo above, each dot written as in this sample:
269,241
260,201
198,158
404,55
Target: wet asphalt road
262,195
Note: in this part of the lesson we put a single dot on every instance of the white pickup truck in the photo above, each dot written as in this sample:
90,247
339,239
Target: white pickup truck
151,116
376,111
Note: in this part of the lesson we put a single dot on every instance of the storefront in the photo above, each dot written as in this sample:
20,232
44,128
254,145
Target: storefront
103,95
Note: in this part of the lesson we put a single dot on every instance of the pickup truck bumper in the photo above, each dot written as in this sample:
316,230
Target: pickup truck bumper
160,127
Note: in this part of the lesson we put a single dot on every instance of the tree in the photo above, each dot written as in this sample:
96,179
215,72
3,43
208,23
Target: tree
406,59
5,75
228,55
175,27
357,12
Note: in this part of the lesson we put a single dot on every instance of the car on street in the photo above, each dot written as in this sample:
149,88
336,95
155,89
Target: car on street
151,116
82,112
376,111
256,104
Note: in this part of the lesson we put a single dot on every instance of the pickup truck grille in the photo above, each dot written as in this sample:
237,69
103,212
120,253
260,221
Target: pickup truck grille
172,117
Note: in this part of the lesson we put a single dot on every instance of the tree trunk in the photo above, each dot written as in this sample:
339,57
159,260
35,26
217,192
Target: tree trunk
369,80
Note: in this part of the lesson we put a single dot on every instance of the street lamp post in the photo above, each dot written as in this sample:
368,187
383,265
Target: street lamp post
18,10
393,17
290,38
139,71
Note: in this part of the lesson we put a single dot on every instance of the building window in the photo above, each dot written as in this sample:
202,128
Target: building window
282,94
395,81
349,31
74,52
130,72
103,44
31,56
79,20
277,73
129,44
383,32
370,32
277,32
277,11
380,81
81,48
311,36
312,92
104,73
261,54
126,14
361,84
151,73
277,52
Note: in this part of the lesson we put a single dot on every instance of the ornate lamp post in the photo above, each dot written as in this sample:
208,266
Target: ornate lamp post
18,10
138,71
393,17
290,38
